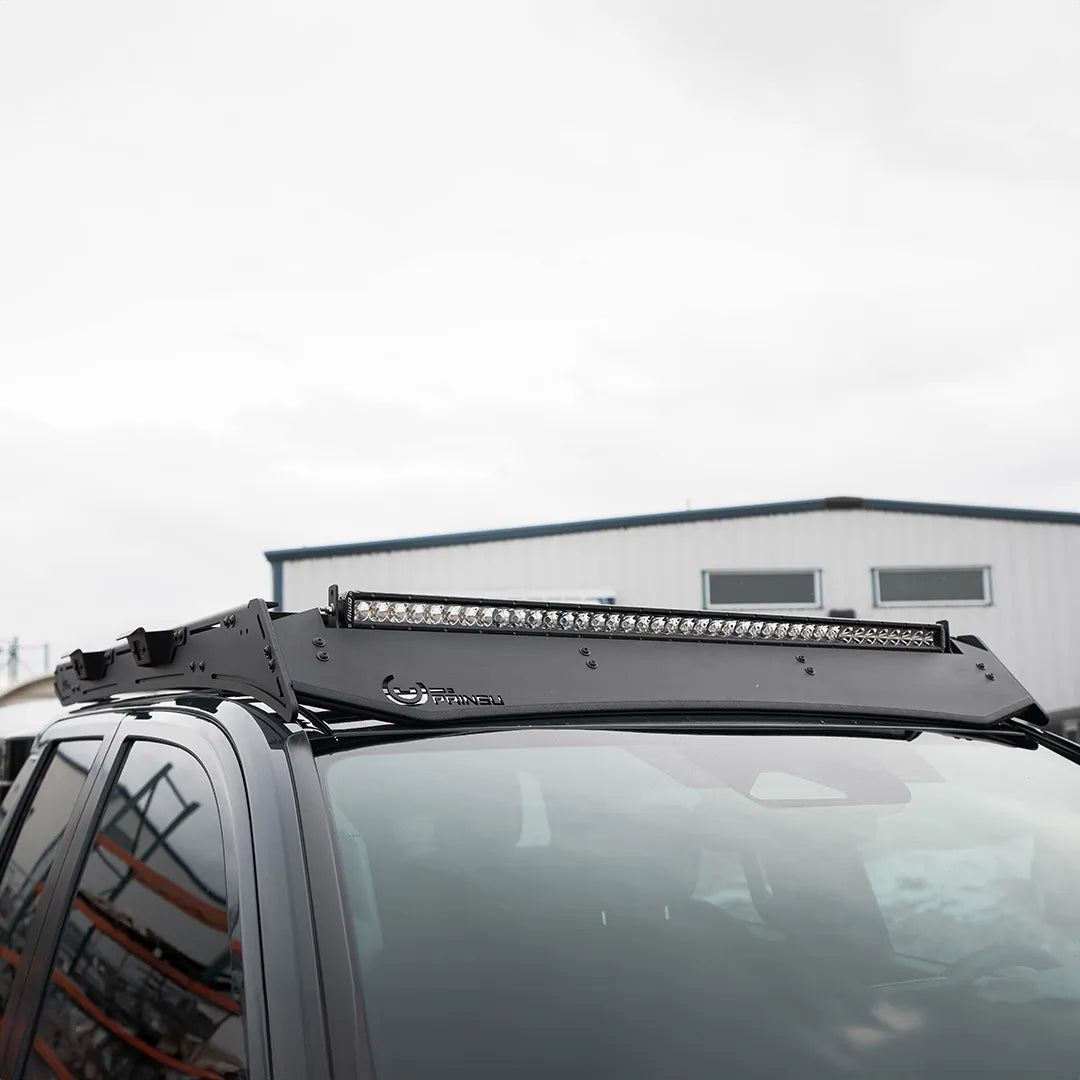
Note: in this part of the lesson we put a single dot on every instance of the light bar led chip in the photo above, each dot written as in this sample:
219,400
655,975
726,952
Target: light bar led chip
361,610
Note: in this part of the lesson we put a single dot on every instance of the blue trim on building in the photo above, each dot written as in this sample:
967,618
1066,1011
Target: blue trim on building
678,517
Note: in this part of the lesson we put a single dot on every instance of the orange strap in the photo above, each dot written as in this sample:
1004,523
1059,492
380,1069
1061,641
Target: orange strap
51,1059
111,1025
210,914
215,997
221,1000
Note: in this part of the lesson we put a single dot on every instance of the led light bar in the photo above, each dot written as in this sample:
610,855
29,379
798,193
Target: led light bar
362,610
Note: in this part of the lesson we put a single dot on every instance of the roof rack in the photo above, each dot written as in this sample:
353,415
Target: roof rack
489,661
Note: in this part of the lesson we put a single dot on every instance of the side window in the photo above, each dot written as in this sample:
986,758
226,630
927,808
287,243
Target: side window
35,847
146,982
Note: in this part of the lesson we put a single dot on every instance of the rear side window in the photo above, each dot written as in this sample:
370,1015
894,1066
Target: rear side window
36,845
146,978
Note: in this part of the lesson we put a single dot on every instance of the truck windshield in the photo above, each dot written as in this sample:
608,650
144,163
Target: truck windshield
574,903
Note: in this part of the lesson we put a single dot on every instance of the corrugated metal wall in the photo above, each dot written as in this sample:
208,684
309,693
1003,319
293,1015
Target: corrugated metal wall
1033,623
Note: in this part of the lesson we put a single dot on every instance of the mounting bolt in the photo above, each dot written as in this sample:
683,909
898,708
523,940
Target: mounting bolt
318,642
590,663
323,656
191,666
271,663
584,650
266,650
800,659
202,665
809,671
981,666
178,634
990,676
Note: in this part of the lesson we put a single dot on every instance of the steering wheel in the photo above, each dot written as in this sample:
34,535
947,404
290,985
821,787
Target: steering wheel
991,958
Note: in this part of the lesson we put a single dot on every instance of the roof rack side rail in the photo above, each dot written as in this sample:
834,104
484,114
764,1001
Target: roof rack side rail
236,651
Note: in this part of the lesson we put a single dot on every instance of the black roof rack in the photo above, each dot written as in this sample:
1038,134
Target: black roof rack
437,660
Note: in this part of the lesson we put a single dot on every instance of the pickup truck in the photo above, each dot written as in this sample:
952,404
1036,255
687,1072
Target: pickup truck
411,837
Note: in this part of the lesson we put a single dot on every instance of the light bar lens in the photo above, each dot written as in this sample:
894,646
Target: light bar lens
363,610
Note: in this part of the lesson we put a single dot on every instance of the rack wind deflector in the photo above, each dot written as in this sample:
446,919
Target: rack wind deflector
427,660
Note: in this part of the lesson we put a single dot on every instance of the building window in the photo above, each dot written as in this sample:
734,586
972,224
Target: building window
932,586
763,588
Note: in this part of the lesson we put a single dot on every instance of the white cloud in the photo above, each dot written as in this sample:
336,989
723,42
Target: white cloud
274,277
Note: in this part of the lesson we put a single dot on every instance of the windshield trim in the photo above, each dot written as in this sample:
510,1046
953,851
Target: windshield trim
1013,733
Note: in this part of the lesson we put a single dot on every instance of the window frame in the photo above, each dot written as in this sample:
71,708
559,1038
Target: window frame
815,573
212,750
988,594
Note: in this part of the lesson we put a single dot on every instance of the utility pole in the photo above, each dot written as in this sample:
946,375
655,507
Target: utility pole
16,660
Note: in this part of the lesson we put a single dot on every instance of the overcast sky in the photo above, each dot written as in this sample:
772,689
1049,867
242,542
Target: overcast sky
281,274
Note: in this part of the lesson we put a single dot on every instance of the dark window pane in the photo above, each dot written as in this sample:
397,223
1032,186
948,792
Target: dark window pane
930,586
35,848
143,985
774,587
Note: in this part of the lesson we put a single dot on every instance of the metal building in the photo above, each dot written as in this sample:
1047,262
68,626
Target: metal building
1012,577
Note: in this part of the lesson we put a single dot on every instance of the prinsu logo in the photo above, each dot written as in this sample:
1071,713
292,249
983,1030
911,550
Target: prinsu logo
419,694
415,695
